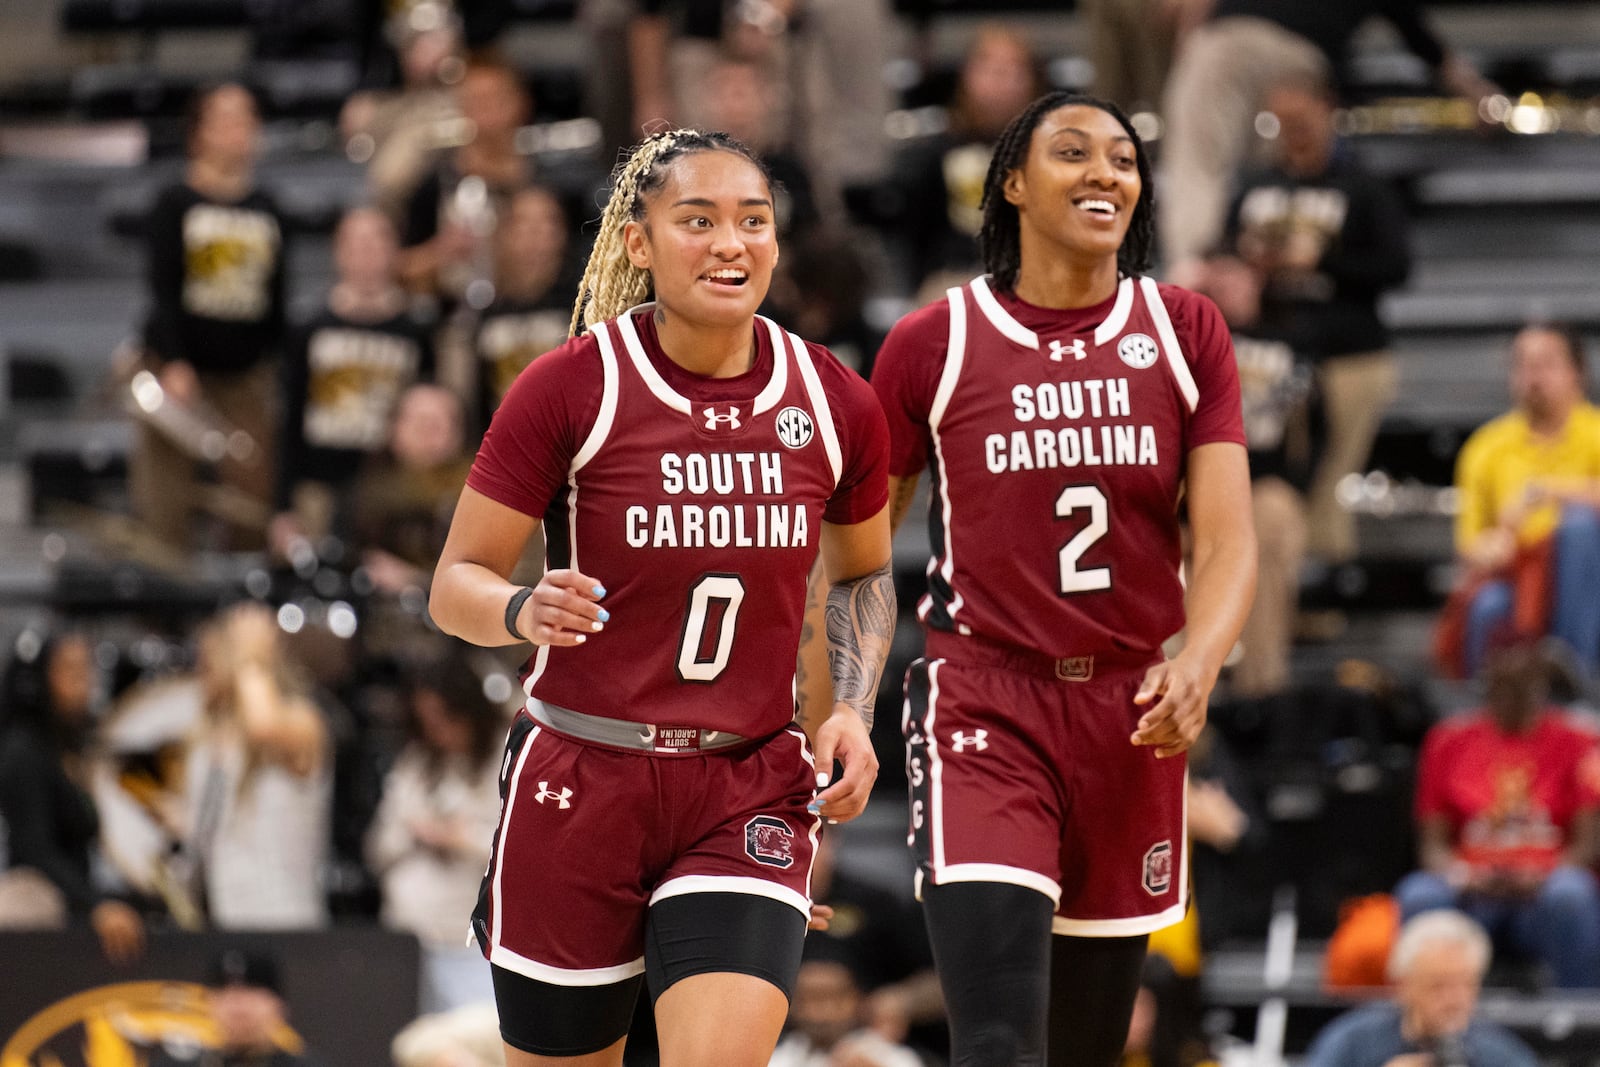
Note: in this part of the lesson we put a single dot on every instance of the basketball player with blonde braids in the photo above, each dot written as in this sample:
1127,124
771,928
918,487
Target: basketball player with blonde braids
688,461
1066,407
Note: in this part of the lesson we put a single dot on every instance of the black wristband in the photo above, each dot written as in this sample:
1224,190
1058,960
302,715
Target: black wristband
514,608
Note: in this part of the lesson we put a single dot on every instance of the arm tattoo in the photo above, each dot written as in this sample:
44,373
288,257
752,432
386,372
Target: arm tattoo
860,623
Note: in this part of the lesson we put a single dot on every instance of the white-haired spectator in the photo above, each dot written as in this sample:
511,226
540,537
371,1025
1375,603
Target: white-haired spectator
1437,967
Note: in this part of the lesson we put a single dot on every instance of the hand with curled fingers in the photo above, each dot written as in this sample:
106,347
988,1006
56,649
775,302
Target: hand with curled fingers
1176,691
563,610
843,736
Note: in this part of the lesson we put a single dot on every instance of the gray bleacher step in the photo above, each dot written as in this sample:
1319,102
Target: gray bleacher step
1417,312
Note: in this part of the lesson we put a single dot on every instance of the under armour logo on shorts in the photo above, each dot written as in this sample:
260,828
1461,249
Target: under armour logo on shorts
715,418
563,798
1058,349
978,739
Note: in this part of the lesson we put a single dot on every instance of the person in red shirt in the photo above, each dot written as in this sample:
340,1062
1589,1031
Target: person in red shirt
1507,802
687,461
1064,405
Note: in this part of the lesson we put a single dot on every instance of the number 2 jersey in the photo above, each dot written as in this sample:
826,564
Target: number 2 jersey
698,504
1056,441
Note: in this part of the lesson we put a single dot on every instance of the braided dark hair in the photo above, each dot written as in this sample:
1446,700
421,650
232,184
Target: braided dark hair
1000,240
611,283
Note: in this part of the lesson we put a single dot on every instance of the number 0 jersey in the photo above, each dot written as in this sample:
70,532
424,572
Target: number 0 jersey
696,502
1056,441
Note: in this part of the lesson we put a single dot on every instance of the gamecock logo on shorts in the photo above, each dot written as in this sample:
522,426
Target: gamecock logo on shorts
1158,868
767,839
794,427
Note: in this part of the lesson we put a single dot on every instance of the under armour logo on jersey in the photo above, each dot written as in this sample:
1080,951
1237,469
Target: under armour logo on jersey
978,739
1058,349
794,427
715,418
563,798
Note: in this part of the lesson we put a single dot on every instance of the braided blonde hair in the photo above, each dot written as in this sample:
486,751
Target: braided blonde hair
611,283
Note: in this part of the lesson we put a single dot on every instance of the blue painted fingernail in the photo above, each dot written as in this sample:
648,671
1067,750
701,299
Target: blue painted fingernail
605,616
814,808
599,590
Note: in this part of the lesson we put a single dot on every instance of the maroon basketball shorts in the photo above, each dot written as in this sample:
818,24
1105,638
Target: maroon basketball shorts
1021,771
590,836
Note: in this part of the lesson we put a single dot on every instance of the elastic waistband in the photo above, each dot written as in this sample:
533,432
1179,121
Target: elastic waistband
663,739
970,648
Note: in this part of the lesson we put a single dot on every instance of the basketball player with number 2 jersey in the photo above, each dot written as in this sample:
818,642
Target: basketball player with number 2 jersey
1055,443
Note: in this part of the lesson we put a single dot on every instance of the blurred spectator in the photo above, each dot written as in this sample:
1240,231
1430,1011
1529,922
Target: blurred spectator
1219,82
820,291
401,134
1327,239
1227,831
245,995
740,102
402,506
216,259
1165,1028
256,806
880,937
821,59
1000,75
448,226
46,810
532,300
1527,532
1437,967
1274,384
343,376
1131,43
826,1026
1507,802
429,843
465,1037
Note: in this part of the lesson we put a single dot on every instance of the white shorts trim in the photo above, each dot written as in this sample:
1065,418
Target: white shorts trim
999,872
1129,927
501,956
727,883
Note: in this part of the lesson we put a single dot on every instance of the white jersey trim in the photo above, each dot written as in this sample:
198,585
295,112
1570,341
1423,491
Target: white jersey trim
955,358
641,363
772,392
1169,343
819,406
930,719
565,976
1138,924
723,883
1113,323
500,854
999,872
999,317
608,403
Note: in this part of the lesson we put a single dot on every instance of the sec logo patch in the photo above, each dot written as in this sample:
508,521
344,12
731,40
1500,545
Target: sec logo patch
1138,350
794,427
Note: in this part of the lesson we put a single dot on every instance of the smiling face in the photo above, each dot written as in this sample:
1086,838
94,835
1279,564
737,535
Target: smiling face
1076,190
708,239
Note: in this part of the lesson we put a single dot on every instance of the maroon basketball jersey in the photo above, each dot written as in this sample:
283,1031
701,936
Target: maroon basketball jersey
1057,451
698,503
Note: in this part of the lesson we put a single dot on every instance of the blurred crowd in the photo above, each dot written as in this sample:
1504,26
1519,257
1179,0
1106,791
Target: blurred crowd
324,755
